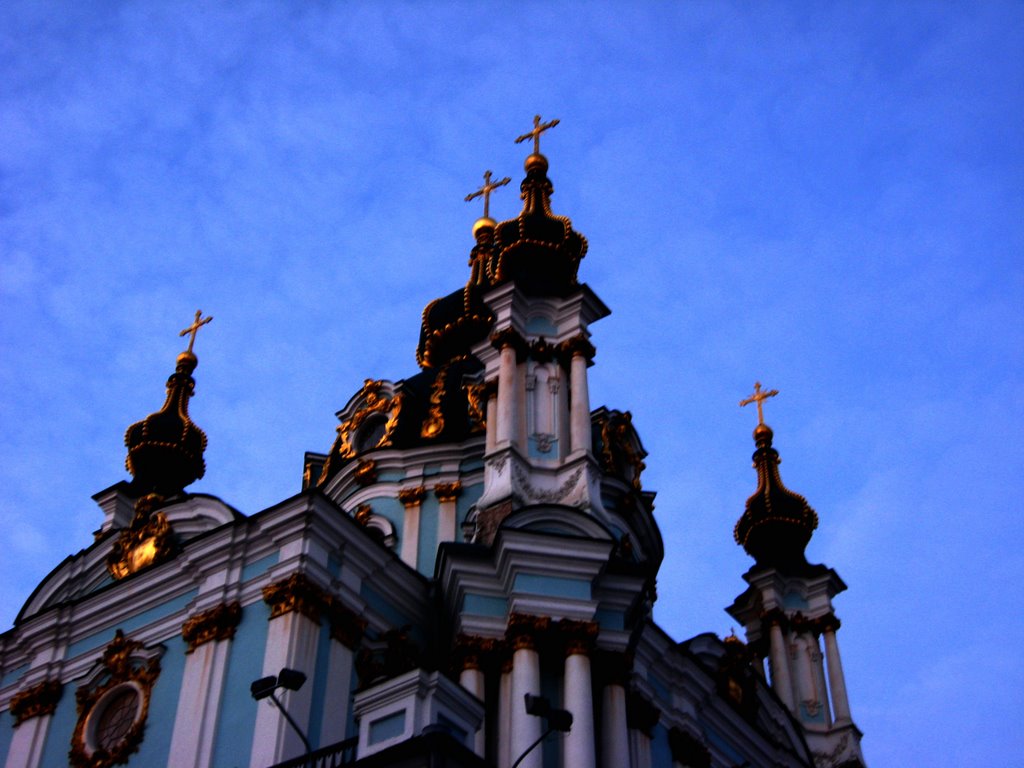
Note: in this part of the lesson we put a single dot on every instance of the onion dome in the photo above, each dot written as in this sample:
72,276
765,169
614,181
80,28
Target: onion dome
165,449
538,251
454,323
777,523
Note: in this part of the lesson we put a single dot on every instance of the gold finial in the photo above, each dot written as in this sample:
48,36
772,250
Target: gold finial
194,328
759,397
538,129
486,190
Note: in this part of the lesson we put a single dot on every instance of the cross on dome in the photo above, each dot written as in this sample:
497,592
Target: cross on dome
759,397
538,129
194,328
486,190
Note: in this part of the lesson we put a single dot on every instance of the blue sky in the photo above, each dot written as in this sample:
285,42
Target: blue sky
825,197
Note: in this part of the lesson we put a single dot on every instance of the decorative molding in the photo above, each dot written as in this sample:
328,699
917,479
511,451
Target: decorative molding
412,497
366,473
129,672
510,337
472,652
525,631
578,345
41,699
552,496
448,491
433,425
217,623
148,541
296,593
578,637
363,514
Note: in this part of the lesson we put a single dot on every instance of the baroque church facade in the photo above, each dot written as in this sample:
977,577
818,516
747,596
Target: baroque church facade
466,578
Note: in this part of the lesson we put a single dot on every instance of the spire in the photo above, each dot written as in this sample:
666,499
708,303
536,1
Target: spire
165,450
777,523
536,188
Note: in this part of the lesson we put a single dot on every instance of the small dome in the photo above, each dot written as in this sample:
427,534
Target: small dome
165,449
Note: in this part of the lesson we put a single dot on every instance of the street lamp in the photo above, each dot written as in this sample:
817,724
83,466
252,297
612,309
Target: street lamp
558,720
289,679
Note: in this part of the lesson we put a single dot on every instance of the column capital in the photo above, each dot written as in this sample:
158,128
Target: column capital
578,637
525,631
472,651
543,351
828,623
217,623
41,699
448,491
510,337
776,617
296,593
577,346
412,497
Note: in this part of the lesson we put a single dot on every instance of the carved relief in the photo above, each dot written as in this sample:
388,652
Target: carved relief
40,699
578,637
147,541
366,473
433,425
374,402
621,454
218,623
112,714
541,495
412,497
448,491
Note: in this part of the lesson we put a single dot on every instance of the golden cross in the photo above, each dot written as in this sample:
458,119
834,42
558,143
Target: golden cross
194,328
486,190
538,129
759,397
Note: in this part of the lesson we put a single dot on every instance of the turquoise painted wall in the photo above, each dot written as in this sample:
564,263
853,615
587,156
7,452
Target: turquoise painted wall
470,496
661,754
428,535
101,638
6,734
321,666
58,737
237,717
163,704
391,509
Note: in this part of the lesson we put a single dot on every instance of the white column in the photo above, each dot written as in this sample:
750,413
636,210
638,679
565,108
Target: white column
291,642
640,747
804,673
781,681
579,700
836,680
614,730
472,679
507,412
27,742
526,729
199,704
522,404
579,416
505,716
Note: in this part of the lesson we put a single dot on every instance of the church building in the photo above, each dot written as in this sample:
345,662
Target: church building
466,578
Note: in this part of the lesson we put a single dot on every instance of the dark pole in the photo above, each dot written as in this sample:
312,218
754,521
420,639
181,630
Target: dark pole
530,748
291,722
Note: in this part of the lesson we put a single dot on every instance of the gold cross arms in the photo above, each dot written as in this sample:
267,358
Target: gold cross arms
759,397
486,190
193,329
538,129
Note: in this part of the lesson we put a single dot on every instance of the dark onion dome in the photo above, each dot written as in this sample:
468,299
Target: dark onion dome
538,251
777,523
454,323
165,449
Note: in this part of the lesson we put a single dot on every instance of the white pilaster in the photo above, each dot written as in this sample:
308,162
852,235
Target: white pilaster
412,501
337,694
27,742
291,642
199,705
507,412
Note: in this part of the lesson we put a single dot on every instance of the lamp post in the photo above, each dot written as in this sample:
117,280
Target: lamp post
289,679
558,720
